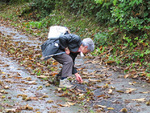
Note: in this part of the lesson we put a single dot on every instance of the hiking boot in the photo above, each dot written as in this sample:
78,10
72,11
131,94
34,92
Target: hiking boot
65,83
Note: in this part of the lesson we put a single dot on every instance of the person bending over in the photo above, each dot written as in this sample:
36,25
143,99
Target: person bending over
72,45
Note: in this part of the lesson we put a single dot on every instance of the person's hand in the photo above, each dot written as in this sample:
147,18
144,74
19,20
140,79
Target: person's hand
78,78
67,51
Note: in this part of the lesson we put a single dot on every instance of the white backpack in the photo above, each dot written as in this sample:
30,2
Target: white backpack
57,31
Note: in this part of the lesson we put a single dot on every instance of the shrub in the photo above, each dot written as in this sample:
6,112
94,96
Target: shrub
16,1
43,7
84,7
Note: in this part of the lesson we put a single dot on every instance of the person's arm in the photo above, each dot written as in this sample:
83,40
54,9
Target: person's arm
74,70
78,77
67,51
65,40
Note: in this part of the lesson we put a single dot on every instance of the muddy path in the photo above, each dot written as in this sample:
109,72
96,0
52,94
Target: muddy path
22,92
104,90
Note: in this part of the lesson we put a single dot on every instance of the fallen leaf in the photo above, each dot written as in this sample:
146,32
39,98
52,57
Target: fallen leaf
10,110
42,76
17,77
27,107
22,95
145,92
110,61
132,83
81,95
50,101
28,79
31,83
94,80
1,82
110,108
124,110
61,105
3,97
54,106
67,104
47,85
27,99
106,86
120,91
6,87
148,103
40,87
126,76
45,96
110,91
85,73
101,96
140,100
129,90
3,73
102,106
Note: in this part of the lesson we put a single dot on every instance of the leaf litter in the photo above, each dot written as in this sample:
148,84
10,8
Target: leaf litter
98,83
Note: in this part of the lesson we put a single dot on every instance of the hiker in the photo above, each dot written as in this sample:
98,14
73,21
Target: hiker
64,50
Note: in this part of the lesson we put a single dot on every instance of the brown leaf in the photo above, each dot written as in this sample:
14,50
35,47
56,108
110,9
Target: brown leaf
94,80
148,103
110,91
42,76
67,104
140,100
28,79
45,96
101,96
10,110
129,90
124,110
102,106
6,87
17,77
110,108
31,83
54,106
120,91
110,61
126,76
50,101
27,107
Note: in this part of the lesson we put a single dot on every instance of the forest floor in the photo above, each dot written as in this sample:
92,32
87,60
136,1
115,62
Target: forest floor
105,88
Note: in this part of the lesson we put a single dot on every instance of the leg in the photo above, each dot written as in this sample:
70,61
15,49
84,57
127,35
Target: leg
67,63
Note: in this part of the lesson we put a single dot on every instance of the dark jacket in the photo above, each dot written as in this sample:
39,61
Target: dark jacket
54,46
71,41
50,47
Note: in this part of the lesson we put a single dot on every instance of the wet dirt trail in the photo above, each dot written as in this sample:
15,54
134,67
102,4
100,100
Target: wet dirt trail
17,84
110,91
25,93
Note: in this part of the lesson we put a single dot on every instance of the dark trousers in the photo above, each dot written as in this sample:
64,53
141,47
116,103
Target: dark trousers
67,62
